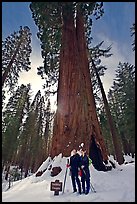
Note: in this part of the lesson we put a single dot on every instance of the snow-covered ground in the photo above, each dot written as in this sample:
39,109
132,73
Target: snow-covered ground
117,185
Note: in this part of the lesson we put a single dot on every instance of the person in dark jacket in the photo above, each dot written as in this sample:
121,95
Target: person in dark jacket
74,169
85,177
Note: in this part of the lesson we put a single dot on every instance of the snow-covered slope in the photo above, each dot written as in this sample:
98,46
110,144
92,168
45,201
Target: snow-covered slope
111,186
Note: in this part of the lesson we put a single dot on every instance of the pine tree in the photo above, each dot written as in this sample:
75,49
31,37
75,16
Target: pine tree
122,101
105,128
12,119
28,136
33,148
132,29
39,153
49,116
16,51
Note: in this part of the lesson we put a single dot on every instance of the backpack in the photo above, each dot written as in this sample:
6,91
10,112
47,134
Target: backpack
90,161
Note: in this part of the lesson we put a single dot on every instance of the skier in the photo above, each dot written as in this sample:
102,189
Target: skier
85,177
74,168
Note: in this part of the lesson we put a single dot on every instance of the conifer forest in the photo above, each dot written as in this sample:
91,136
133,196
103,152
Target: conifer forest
72,71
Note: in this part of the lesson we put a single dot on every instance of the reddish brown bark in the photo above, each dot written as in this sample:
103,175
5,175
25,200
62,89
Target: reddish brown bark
76,119
92,119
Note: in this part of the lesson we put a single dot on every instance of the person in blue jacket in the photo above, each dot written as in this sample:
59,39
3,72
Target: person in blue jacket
85,177
74,169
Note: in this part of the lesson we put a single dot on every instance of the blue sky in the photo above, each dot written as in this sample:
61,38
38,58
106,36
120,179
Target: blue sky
117,20
113,28
16,14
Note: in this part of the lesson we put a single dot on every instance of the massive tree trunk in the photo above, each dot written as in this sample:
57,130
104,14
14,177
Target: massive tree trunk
76,120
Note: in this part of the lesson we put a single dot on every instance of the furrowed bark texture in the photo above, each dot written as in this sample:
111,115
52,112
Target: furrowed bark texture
76,120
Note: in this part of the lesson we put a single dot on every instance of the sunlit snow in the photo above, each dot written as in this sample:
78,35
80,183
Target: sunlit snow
117,185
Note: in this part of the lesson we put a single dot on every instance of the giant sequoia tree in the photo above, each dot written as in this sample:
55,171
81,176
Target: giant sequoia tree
62,29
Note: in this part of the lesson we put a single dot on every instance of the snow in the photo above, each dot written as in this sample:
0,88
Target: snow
117,185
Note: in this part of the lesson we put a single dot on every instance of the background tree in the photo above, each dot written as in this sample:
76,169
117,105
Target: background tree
27,150
48,132
32,148
111,123
132,29
105,128
122,101
16,51
12,121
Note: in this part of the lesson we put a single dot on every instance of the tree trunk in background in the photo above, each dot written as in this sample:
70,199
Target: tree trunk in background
125,143
7,171
132,148
76,119
115,139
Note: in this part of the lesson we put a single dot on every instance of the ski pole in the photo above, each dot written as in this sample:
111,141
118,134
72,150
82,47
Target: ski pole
92,188
65,176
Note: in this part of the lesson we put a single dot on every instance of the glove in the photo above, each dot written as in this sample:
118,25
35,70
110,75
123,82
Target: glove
82,167
67,165
80,172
